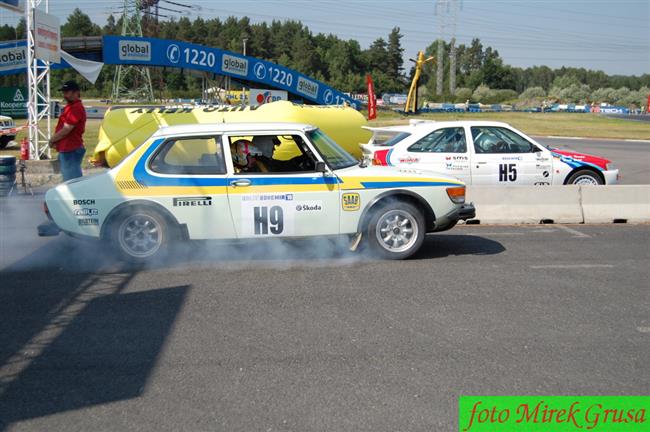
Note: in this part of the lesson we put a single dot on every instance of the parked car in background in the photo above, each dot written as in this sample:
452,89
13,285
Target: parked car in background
484,153
7,124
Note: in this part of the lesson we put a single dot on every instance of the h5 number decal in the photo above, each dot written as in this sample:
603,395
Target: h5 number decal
507,172
268,220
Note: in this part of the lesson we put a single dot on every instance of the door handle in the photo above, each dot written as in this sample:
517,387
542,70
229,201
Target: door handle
240,183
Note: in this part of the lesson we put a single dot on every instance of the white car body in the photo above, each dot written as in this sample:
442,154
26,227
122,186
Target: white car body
481,160
229,205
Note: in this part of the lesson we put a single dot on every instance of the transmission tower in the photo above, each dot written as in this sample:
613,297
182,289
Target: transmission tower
446,12
132,81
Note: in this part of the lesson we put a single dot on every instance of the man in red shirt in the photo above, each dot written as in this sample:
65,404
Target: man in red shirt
68,135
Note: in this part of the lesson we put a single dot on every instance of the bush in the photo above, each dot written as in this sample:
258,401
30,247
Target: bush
532,92
463,94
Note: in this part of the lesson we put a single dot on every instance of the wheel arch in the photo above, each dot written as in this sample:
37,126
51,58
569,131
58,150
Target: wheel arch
182,228
397,195
584,168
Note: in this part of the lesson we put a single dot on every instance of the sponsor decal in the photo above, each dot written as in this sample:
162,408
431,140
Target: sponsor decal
351,201
88,222
135,50
451,167
13,58
310,206
234,65
512,158
259,70
545,174
82,202
457,158
268,197
409,159
541,183
197,201
307,87
85,212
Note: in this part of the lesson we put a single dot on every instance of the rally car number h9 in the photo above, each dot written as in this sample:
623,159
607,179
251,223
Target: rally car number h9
232,181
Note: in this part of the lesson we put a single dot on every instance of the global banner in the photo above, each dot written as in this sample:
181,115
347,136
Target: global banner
170,53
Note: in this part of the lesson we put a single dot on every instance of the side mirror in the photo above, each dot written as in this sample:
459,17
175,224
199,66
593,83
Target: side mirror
321,167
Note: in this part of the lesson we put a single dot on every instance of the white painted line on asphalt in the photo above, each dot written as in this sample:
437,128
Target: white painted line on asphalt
570,266
637,140
573,232
643,329
563,137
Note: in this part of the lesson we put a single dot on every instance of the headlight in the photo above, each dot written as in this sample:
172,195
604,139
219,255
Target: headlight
456,194
610,166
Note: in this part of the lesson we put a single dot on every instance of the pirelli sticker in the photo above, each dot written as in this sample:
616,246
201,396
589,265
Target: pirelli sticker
351,201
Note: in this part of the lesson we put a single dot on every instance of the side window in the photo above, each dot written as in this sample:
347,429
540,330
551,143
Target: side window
447,140
190,155
489,139
261,154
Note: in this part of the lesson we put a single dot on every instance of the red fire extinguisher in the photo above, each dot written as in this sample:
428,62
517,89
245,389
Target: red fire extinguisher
24,149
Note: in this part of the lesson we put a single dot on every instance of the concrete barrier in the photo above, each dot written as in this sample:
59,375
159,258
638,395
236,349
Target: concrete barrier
526,204
606,204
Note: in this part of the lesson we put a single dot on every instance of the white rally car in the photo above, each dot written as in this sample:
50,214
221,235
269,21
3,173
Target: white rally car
188,182
484,153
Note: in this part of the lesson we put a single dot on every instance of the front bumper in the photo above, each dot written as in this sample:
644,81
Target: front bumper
611,176
464,212
48,229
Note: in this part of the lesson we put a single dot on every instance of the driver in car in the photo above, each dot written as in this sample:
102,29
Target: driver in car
246,157
267,145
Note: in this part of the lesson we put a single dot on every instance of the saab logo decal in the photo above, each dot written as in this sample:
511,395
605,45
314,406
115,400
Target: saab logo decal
135,50
173,53
307,87
18,96
351,201
88,222
200,201
85,212
234,65
310,206
82,202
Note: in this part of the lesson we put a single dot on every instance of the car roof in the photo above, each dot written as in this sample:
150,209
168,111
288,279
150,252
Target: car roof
198,128
453,123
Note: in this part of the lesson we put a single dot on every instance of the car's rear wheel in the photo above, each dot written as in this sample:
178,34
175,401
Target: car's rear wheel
396,230
585,177
140,234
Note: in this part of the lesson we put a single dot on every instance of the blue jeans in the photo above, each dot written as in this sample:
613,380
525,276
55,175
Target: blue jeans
70,163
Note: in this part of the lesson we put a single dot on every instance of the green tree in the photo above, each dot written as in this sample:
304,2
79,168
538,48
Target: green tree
79,24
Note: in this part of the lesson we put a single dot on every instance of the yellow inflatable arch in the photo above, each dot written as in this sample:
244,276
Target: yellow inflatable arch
123,129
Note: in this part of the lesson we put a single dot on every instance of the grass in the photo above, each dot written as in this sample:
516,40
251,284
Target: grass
558,124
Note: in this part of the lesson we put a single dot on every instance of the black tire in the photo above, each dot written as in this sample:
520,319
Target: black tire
381,220
4,140
7,178
128,232
585,177
7,160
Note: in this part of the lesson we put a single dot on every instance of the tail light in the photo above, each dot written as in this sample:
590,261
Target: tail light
380,157
456,194
45,209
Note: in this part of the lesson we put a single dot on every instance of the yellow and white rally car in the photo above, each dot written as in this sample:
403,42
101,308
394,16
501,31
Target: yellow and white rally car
226,181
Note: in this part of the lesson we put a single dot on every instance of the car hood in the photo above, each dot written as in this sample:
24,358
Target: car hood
396,173
582,157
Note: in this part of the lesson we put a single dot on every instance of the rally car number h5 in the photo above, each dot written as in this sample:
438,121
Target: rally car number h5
231,181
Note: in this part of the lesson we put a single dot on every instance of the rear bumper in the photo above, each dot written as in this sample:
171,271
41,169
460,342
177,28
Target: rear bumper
48,229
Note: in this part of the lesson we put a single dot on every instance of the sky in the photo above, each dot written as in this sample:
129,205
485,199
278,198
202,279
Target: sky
613,36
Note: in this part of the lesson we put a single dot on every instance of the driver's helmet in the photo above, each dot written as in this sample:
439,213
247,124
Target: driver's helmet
266,144
241,149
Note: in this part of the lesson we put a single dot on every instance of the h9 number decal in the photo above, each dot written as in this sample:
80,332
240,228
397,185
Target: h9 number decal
507,172
268,220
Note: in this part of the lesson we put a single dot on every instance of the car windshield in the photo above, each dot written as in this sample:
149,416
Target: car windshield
333,154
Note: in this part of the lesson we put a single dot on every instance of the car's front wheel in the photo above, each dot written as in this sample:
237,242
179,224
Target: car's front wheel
139,234
585,177
396,230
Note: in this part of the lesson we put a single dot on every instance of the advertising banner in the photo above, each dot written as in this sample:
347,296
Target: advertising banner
372,99
47,37
13,102
169,53
261,96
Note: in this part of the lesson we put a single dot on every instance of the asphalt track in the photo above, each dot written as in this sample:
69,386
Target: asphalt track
308,337
631,157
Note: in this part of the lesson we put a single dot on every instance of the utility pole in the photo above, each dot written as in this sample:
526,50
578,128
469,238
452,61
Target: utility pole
132,81
446,12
